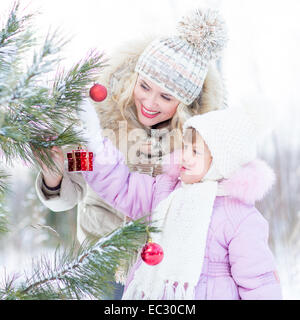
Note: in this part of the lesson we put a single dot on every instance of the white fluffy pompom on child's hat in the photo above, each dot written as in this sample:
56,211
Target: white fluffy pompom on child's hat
230,135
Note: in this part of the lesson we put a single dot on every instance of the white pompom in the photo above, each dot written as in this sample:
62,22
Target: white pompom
205,30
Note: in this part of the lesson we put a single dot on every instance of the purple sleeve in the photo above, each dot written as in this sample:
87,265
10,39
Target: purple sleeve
252,263
128,192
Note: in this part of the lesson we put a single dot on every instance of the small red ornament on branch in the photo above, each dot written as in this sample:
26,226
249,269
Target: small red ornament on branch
98,92
152,253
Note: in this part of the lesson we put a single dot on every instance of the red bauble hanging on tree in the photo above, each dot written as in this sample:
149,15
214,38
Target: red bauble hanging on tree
98,92
152,253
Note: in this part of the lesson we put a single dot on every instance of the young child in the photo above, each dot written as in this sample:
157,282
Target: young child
215,241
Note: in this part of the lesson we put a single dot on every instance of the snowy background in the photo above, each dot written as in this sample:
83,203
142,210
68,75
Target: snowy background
261,70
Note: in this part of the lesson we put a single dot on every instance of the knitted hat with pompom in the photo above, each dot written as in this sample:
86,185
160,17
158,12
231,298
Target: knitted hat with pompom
179,64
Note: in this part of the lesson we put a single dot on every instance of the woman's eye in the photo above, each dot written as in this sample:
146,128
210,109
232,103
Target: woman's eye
166,98
144,87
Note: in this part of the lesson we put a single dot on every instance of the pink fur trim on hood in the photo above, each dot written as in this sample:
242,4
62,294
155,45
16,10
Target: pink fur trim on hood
249,184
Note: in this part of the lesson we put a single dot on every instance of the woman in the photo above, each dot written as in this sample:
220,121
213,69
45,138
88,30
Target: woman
154,86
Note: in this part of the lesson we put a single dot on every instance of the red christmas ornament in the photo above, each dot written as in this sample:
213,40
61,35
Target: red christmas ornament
98,92
152,253
80,160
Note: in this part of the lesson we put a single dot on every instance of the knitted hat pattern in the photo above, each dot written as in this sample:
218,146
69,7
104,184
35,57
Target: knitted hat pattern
230,135
179,64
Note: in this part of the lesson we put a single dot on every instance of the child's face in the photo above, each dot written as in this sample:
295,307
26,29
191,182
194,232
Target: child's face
196,159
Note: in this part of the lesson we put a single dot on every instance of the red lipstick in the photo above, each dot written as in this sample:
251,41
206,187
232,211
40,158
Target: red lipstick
147,113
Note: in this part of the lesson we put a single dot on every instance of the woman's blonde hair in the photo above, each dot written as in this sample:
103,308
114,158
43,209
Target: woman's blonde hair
122,93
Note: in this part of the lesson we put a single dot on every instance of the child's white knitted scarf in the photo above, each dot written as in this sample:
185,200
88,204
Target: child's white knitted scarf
184,218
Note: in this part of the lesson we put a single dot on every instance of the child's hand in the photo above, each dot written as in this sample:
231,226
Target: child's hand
92,132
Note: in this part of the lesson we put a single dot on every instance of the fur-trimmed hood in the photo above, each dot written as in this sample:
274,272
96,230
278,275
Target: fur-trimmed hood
250,183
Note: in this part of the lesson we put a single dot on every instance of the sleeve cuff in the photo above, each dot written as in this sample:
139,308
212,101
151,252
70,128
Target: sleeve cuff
50,191
51,188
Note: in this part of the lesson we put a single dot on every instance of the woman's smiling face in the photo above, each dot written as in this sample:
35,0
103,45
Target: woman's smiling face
153,104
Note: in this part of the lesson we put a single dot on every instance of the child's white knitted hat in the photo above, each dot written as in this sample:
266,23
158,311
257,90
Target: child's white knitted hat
230,136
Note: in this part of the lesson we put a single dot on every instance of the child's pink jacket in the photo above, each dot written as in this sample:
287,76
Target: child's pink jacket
238,263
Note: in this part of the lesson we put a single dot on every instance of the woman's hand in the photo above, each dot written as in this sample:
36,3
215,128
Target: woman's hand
53,178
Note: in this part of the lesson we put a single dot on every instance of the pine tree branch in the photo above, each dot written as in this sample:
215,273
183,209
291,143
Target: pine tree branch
89,274
14,25
29,84
33,117
16,38
70,88
33,114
